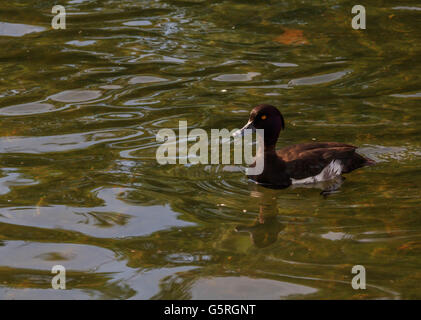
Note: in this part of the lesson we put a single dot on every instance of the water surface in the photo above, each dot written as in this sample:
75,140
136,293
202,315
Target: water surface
80,185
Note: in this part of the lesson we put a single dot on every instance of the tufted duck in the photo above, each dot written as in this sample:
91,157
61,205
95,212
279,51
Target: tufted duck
300,163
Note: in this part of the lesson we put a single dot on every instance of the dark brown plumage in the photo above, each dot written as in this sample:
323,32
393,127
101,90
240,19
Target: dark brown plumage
299,163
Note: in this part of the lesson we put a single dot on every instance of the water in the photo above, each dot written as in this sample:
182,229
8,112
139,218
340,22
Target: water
80,186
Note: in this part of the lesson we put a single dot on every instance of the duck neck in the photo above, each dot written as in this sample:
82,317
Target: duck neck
266,152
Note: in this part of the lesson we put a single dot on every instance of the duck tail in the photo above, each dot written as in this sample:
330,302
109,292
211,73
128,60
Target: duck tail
357,161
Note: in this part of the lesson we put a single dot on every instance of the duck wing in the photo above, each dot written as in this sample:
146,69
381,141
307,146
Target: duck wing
309,159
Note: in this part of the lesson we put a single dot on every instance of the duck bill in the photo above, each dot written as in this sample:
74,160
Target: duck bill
249,126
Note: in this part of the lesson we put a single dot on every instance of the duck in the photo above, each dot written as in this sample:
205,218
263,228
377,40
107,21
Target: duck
298,164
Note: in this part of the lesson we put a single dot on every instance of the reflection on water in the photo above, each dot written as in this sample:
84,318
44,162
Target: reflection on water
265,229
26,108
17,29
80,186
325,78
76,95
225,288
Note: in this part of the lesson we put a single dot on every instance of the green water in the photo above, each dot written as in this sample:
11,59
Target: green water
80,185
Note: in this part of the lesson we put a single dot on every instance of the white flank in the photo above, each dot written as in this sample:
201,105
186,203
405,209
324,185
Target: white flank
329,172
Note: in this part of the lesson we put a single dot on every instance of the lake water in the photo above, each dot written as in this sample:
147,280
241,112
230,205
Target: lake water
80,186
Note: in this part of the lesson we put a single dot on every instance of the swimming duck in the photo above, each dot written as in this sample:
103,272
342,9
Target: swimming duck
300,163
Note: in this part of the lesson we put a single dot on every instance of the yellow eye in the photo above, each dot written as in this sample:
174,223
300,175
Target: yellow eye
263,117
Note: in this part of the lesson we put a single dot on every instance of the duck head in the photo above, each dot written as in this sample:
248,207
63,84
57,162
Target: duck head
267,117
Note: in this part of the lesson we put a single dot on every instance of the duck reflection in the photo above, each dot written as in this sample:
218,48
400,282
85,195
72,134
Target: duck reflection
328,187
265,229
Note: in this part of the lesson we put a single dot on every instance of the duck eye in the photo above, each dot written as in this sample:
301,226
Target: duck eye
263,117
